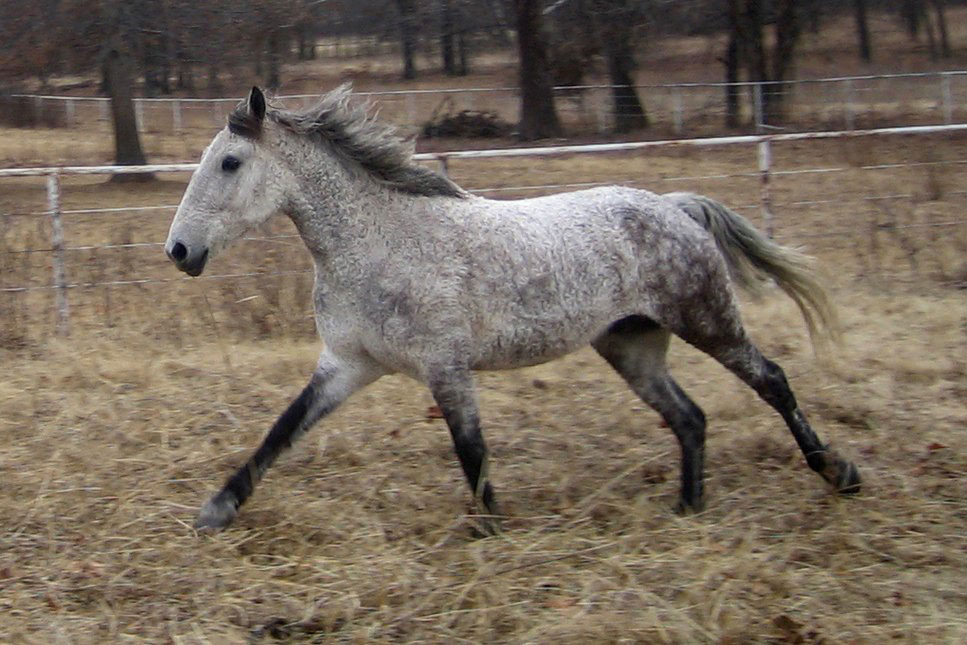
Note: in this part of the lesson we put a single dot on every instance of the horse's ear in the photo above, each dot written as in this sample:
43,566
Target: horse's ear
256,103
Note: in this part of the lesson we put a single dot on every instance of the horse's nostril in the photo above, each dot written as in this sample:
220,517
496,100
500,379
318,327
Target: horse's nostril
179,252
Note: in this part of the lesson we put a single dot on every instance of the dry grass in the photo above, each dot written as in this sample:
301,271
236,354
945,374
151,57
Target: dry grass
359,534
113,437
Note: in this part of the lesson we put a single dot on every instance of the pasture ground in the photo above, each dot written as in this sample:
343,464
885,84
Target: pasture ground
113,437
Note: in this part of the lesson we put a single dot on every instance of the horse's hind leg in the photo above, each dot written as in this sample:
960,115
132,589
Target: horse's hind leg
768,380
635,347
715,328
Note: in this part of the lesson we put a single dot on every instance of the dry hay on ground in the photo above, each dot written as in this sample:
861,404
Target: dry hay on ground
359,534
113,438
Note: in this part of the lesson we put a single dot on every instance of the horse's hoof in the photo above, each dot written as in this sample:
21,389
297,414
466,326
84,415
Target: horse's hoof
488,526
841,474
215,515
690,508
848,481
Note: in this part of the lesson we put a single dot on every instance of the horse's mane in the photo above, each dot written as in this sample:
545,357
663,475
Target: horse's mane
355,135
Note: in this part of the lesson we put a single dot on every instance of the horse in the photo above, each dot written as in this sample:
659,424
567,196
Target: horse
415,275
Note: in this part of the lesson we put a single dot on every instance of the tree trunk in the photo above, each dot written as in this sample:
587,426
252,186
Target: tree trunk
912,11
732,61
538,118
127,143
629,114
274,79
938,6
863,30
787,35
463,66
446,38
407,10
931,38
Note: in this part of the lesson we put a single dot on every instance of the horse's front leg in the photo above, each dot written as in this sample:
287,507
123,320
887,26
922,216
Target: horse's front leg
453,391
333,380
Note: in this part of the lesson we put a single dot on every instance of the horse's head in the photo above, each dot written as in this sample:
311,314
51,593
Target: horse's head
239,183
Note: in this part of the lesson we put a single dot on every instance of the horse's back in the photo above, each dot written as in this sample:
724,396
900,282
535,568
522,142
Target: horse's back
549,274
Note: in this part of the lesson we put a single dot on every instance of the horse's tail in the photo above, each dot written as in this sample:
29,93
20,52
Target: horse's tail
753,258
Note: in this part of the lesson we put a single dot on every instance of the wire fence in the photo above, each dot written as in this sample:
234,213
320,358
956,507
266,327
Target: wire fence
885,188
681,109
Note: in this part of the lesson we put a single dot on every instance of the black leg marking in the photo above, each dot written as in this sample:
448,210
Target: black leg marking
453,392
280,438
331,383
687,421
635,347
223,507
769,381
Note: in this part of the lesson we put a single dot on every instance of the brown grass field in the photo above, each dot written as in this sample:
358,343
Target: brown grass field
112,437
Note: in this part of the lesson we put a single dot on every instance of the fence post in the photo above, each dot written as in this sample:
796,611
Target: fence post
411,119
765,194
678,108
947,99
103,103
848,104
176,115
601,110
57,243
69,112
139,114
757,107
443,165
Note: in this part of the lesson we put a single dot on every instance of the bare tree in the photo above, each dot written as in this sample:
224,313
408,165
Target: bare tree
127,142
732,61
748,20
538,117
616,22
407,10
938,6
862,30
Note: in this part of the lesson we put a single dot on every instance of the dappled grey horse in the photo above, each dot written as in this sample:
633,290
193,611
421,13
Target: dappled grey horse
415,275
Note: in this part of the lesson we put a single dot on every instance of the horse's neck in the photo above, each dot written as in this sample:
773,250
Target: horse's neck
338,210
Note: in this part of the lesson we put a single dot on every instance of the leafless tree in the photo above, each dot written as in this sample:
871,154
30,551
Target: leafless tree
538,117
862,30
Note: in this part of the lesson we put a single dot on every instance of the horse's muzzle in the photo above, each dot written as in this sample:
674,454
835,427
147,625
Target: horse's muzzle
191,261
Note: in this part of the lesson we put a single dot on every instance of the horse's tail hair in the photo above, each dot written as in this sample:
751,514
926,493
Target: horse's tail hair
753,259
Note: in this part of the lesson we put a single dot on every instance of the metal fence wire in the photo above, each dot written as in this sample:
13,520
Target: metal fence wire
56,255
681,109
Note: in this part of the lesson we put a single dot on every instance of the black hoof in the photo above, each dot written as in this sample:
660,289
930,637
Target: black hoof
690,508
841,474
848,482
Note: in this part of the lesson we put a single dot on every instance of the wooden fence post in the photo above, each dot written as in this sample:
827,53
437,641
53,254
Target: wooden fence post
757,108
678,110
947,99
57,244
765,193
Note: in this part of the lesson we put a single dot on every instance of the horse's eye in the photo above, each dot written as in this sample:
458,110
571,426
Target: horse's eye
231,164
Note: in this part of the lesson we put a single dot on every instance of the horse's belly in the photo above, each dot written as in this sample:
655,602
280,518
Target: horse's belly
523,345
